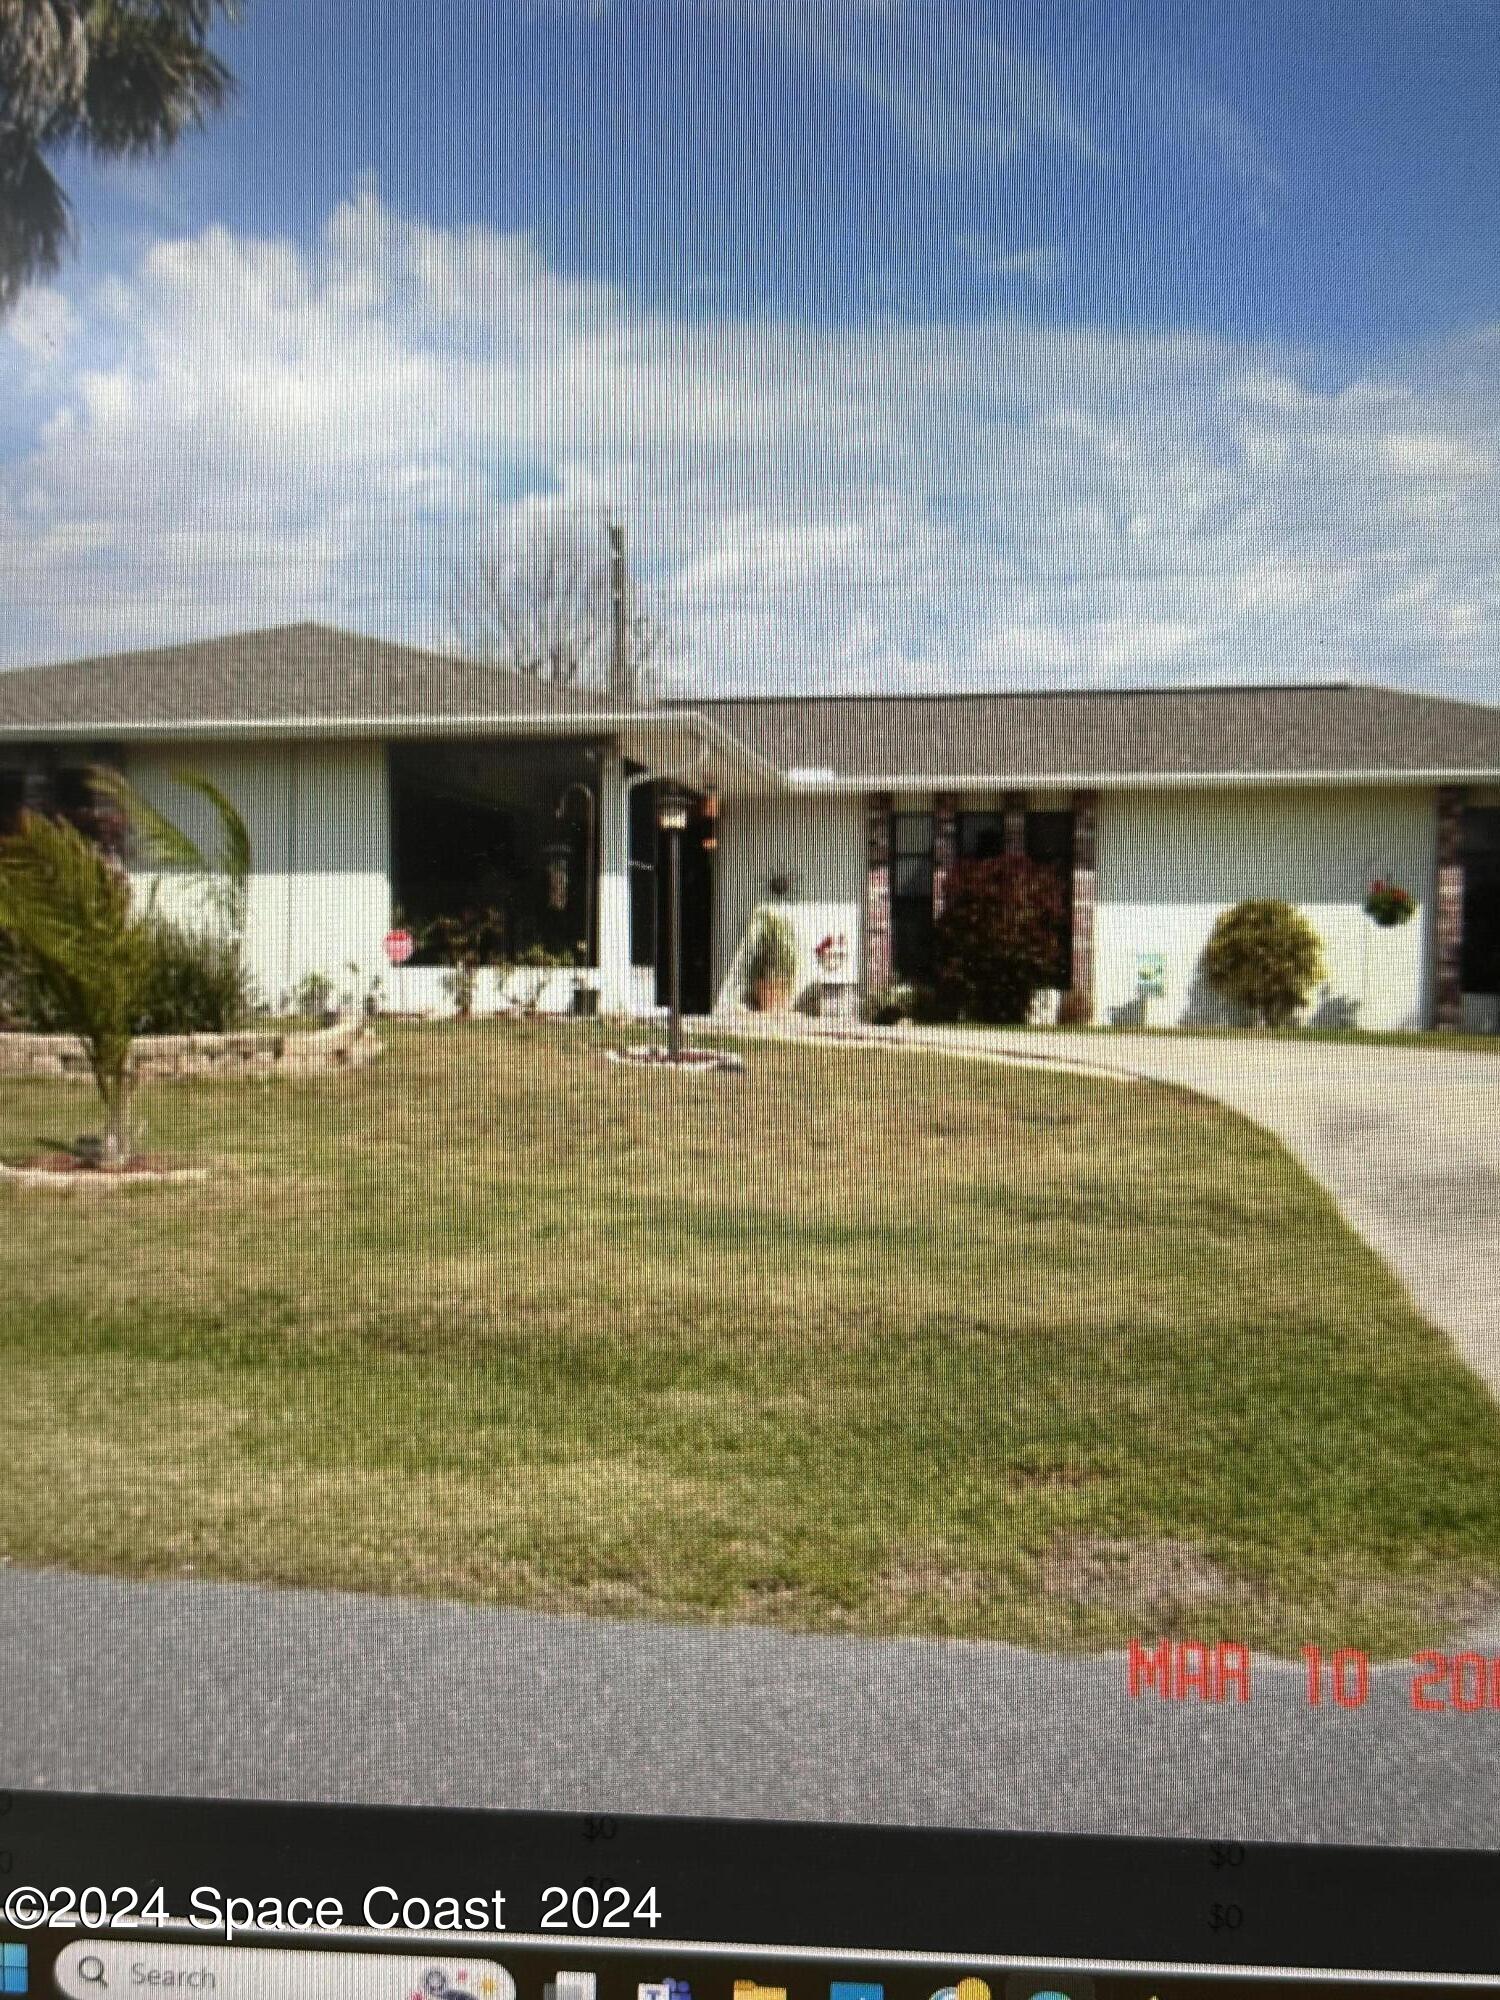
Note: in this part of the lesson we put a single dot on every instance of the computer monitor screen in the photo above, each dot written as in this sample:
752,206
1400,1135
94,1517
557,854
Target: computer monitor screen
750,912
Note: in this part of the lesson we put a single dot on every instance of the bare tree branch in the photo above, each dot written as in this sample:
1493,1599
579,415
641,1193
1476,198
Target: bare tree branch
539,603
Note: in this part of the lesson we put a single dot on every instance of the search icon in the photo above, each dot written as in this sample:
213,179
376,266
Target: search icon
92,1970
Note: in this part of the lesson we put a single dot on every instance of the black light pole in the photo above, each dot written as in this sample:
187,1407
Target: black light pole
672,817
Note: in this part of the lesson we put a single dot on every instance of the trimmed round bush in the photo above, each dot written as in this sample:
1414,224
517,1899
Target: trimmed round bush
998,940
1265,957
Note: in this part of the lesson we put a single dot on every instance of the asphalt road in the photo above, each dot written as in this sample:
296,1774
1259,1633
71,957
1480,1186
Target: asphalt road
220,1690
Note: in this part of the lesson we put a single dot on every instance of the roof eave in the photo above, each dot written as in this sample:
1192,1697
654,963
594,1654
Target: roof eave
644,726
1118,781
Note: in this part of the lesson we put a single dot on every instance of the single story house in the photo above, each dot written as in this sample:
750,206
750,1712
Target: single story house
386,788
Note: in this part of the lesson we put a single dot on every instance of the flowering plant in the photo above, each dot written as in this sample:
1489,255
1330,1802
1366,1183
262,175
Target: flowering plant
1388,903
832,952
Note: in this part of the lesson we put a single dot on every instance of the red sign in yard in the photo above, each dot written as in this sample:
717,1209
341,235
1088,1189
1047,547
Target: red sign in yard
399,946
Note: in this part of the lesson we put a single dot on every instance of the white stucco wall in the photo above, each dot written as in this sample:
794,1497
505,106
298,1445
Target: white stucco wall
319,830
1169,862
320,898
820,844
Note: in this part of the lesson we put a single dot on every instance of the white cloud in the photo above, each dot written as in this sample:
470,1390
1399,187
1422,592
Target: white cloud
1227,136
42,324
1039,264
275,435
956,91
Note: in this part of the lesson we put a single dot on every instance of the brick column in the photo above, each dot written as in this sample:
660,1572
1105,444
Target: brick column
1448,911
944,847
1013,809
1085,842
878,891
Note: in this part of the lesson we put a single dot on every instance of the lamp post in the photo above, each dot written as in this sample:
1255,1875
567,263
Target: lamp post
672,808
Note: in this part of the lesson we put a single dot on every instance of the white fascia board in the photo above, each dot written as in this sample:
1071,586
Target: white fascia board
259,730
1131,781
382,728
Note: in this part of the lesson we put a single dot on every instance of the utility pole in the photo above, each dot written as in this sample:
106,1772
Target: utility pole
619,657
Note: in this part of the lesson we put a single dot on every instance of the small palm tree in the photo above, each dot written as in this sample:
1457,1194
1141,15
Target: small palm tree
120,79
66,908
68,911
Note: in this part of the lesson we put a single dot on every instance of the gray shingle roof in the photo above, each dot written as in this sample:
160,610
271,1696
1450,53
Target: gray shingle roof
290,674
300,677
1168,732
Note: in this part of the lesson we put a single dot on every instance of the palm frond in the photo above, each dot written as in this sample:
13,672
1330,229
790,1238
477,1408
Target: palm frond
164,844
36,223
150,79
121,78
44,59
234,856
223,874
67,910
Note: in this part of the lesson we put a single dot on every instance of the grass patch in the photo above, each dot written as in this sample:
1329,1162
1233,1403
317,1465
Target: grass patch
854,1342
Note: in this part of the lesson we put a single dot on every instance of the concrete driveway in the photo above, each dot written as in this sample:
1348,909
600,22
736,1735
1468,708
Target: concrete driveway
1407,1140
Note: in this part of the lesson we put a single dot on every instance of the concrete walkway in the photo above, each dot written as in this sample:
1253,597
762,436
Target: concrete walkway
1407,1140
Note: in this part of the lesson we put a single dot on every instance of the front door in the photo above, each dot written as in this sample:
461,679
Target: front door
697,916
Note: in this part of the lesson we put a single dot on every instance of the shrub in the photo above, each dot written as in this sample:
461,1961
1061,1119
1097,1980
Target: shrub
889,1004
26,1006
1265,957
466,941
196,983
312,997
998,939
772,963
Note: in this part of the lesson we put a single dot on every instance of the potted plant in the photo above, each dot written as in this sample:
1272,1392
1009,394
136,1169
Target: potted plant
1388,904
772,965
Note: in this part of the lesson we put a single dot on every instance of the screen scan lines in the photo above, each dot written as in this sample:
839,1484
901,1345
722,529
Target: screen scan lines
494,1942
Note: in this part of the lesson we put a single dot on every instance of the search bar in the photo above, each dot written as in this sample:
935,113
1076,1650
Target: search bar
111,1970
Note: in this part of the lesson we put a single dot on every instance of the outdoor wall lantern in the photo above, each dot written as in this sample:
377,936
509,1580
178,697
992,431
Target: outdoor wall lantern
673,807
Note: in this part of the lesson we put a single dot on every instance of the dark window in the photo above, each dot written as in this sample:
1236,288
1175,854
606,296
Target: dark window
1481,859
498,838
643,889
62,791
12,798
981,836
911,895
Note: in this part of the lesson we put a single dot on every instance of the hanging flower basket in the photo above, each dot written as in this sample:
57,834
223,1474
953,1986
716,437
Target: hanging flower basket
1389,904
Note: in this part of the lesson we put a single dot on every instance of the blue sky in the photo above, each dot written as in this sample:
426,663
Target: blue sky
919,342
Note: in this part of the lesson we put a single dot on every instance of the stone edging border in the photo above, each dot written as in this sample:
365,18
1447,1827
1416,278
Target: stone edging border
246,1052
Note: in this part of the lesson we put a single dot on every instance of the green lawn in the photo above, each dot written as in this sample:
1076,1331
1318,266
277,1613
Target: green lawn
859,1341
